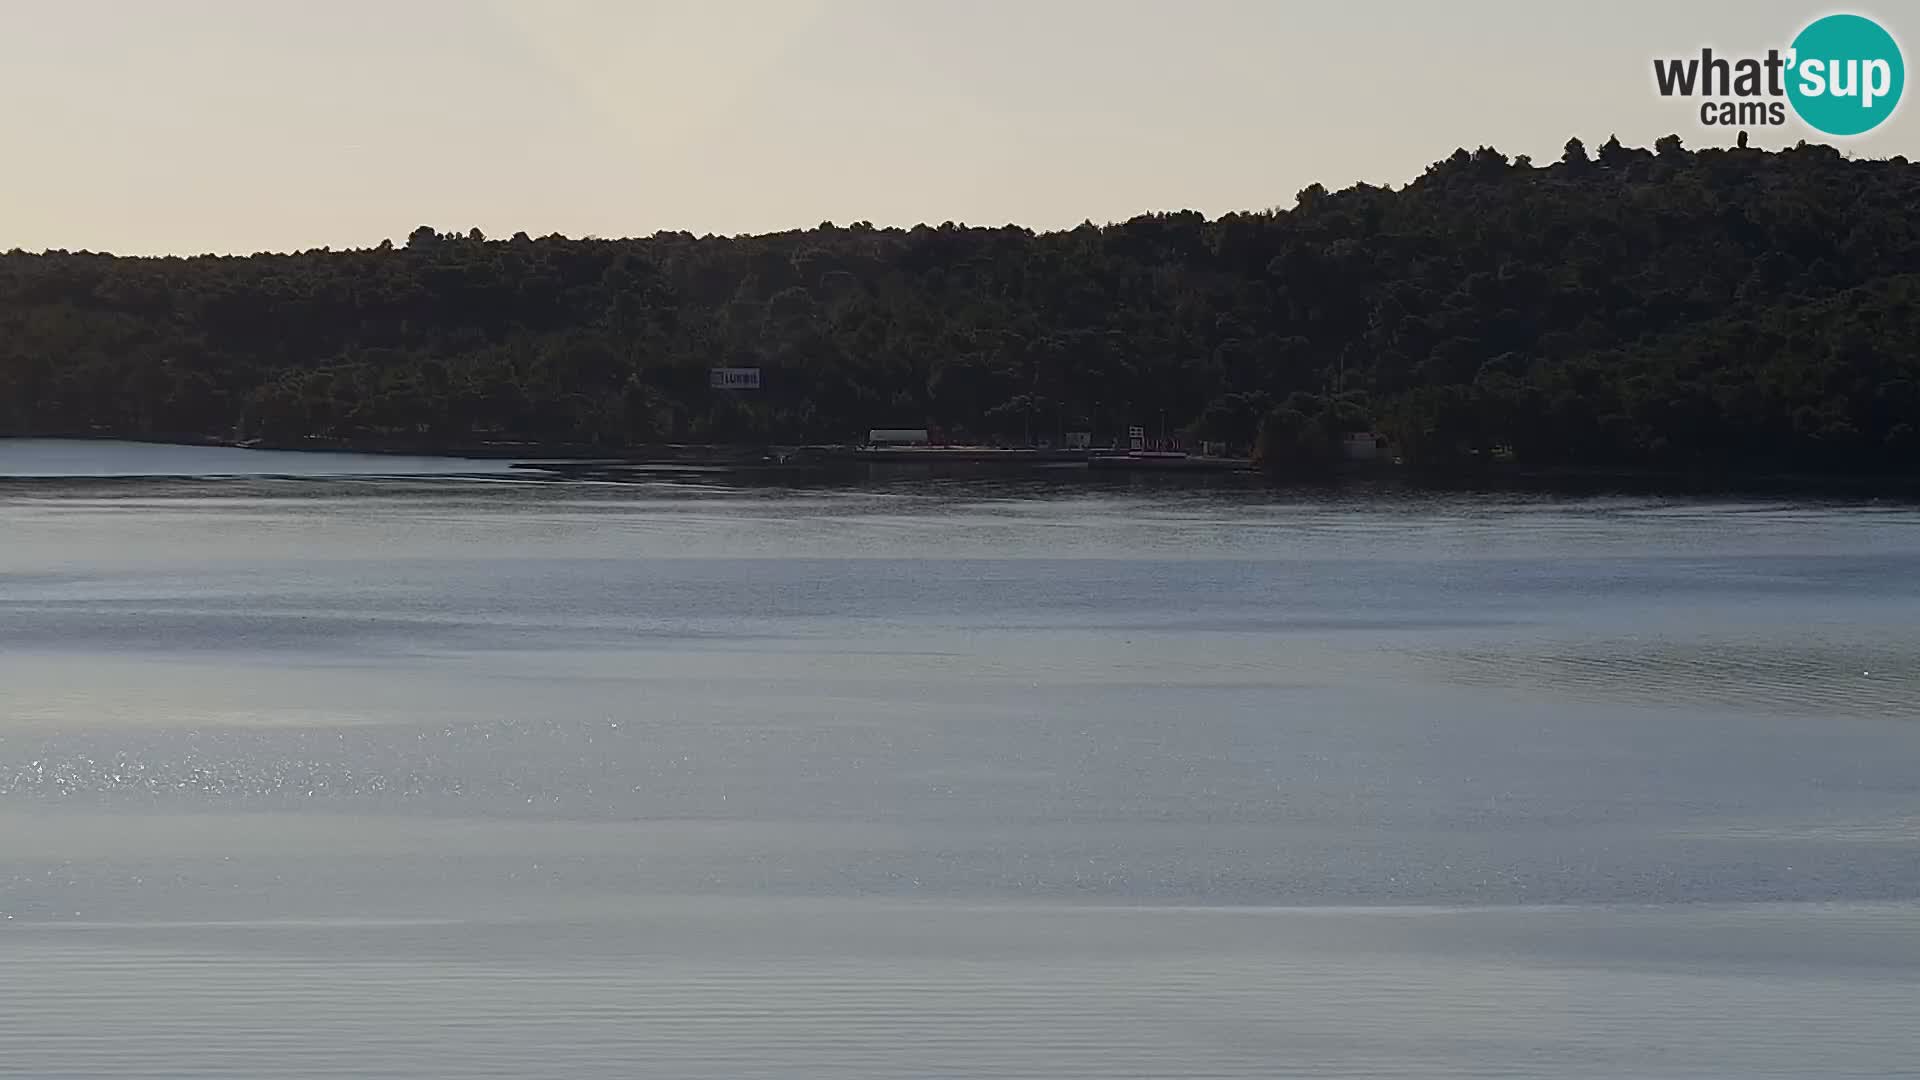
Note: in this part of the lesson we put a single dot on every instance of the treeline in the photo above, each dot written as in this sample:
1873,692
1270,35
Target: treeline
1720,308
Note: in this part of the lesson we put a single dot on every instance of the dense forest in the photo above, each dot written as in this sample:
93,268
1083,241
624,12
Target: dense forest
1726,309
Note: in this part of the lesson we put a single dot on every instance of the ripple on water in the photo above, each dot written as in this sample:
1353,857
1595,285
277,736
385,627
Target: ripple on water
673,994
1801,680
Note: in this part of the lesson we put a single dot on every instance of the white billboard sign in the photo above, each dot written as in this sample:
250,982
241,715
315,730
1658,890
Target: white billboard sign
734,378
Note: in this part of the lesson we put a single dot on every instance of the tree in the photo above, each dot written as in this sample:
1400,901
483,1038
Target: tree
1488,160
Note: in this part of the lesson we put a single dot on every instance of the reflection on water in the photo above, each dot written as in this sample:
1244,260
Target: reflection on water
103,459
438,776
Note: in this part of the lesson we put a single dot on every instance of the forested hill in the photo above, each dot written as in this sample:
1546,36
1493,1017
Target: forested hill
1731,308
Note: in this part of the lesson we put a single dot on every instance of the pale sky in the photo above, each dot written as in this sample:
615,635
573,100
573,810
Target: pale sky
186,126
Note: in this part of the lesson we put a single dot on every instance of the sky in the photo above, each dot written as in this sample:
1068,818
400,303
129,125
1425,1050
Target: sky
232,126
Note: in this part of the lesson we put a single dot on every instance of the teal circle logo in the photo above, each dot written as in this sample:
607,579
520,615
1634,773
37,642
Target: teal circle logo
1847,75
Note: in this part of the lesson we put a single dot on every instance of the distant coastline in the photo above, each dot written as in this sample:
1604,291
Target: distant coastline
1698,319
845,463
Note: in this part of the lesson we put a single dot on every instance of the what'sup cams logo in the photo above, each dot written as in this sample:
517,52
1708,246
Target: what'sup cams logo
1842,75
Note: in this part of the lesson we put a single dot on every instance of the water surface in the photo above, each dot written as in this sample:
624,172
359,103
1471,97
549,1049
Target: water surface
343,769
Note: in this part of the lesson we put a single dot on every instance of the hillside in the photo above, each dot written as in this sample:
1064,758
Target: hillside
1735,309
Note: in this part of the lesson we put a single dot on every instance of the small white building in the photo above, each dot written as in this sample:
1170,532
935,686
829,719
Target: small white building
1366,446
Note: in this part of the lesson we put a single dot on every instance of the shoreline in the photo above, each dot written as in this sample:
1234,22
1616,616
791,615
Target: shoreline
563,459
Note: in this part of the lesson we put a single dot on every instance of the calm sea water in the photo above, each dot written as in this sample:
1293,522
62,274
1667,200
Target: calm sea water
335,766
